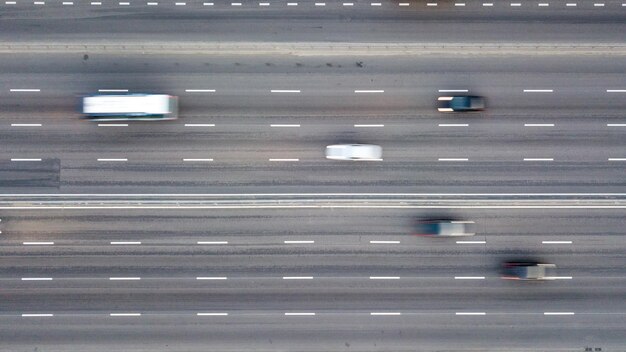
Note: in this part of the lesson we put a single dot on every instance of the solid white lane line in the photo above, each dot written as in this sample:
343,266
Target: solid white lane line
200,90
112,125
125,242
453,125
297,277
470,313
199,125
384,242
284,125
32,315
293,159
617,159
453,159
616,125
212,242
538,159
616,90
556,242
384,277
196,159
471,242
300,313
359,91
124,278
36,279
285,91
366,126
37,243
469,277
112,90
385,313
211,278
212,314
558,313
298,242
25,159
125,314
112,159
538,90
538,125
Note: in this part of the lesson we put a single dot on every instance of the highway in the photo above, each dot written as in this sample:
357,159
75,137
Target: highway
228,230
193,21
260,125
233,279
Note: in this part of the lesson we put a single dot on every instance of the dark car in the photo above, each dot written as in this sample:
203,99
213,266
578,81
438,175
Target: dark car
530,270
461,103
442,228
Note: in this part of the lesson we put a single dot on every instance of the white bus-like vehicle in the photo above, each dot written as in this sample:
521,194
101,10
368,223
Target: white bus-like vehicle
142,107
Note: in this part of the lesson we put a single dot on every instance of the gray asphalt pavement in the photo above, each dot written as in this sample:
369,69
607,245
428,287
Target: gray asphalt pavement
195,22
423,279
575,130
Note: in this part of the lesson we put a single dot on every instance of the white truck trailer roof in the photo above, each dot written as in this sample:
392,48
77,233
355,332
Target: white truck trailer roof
127,104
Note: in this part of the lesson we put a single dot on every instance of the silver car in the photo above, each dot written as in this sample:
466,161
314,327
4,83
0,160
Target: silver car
354,152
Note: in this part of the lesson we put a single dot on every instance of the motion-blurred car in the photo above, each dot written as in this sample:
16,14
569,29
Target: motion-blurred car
461,103
443,228
354,152
530,270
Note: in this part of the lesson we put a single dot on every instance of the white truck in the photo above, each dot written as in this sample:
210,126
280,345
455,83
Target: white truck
144,107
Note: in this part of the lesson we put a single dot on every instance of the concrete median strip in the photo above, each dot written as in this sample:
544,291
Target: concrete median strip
320,48
318,200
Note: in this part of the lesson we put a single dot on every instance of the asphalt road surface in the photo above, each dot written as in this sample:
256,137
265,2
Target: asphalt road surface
136,21
260,124
139,280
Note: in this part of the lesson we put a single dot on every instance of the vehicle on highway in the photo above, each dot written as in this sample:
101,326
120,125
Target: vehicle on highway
443,228
461,103
354,152
527,270
143,107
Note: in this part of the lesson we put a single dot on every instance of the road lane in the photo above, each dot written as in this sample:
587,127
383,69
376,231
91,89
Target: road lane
166,301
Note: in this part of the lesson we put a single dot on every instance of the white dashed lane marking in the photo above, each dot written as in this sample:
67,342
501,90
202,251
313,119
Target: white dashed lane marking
24,90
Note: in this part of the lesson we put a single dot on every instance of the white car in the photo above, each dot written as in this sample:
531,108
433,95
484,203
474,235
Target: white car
354,152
